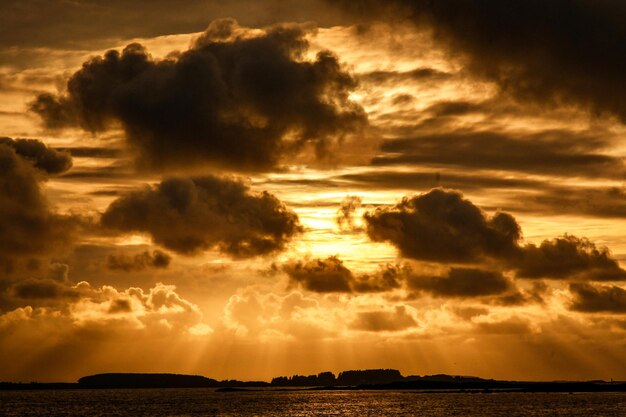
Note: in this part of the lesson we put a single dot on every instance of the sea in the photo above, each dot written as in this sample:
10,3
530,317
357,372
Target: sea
208,402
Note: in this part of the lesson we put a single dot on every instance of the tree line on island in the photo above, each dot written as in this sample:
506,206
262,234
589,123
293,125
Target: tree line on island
373,379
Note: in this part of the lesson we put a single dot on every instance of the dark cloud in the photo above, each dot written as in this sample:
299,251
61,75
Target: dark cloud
384,321
561,52
93,152
593,201
598,299
443,226
468,313
418,74
42,289
386,278
29,228
321,275
42,157
568,257
426,180
535,294
233,100
188,215
114,171
120,305
555,152
347,208
454,108
330,275
139,262
463,282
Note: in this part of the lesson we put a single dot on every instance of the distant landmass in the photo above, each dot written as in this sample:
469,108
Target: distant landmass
369,379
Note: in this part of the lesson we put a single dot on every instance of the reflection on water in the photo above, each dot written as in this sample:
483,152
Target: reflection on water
206,402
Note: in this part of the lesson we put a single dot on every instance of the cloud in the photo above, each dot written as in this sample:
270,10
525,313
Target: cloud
138,262
426,180
58,271
562,52
49,160
588,200
107,309
37,290
463,282
261,315
101,308
93,152
321,275
598,299
30,229
188,215
568,257
384,321
395,77
331,276
39,335
539,196
552,152
347,208
92,24
236,99
443,226
388,277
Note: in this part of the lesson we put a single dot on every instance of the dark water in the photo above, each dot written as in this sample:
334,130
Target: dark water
206,402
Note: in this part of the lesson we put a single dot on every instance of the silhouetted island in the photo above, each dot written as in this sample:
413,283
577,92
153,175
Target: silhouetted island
370,379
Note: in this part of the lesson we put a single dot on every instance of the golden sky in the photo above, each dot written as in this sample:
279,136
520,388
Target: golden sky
249,189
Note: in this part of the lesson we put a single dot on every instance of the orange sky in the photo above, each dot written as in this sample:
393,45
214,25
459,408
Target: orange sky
261,189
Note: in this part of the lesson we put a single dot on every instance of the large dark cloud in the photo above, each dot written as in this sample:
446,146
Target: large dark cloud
562,51
598,299
29,228
331,275
188,215
463,282
42,157
233,100
442,226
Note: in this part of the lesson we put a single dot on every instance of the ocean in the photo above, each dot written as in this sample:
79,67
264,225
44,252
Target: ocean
207,402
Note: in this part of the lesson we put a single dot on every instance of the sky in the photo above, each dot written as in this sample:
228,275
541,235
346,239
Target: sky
248,189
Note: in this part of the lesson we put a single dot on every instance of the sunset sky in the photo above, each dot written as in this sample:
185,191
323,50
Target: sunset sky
245,189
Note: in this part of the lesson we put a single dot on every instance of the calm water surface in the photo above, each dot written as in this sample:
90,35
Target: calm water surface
206,402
